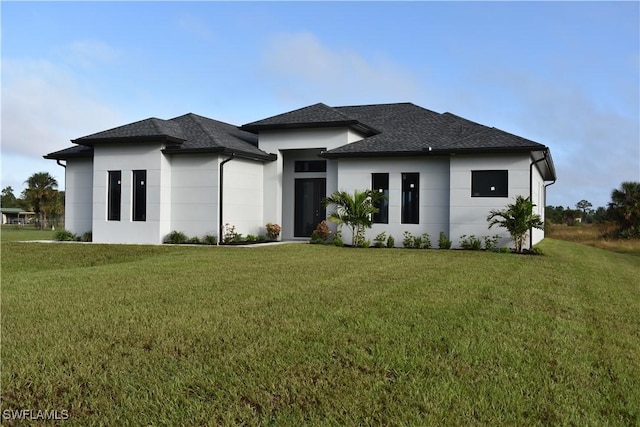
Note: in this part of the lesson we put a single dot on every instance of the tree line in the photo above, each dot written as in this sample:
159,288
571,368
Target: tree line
623,211
40,196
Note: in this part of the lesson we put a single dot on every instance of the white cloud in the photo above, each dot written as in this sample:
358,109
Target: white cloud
43,107
302,67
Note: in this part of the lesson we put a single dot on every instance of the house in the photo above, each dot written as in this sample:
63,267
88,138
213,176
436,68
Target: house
16,216
442,173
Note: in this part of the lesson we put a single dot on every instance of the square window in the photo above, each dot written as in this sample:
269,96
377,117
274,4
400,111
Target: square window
490,183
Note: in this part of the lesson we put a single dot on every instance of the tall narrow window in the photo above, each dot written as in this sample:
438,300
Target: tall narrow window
140,195
410,192
380,184
113,195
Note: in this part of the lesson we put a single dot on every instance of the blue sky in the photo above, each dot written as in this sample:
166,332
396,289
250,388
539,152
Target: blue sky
565,74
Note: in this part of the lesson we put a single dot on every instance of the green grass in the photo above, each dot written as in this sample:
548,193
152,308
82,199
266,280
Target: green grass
317,335
591,234
14,233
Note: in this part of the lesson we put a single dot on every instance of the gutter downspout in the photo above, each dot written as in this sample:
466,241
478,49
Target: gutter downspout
60,164
531,193
220,202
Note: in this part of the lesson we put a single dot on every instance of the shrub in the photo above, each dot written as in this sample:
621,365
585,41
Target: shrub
251,238
209,239
321,234
87,237
490,243
391,242
425,242
366,243
193,240
175,238
504,250
273,231
229,234
65,236
536,250
443,241
380,240
337,239
470,243
407,240
261,238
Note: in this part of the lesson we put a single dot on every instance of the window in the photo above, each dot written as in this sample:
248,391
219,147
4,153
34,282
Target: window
139,195
410,192
311,166
113,195
492,183
380,184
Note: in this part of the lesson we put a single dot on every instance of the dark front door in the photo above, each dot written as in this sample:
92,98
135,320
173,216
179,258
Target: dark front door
308,205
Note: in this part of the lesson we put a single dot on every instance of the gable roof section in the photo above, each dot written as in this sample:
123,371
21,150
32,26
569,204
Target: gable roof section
313,116
189,133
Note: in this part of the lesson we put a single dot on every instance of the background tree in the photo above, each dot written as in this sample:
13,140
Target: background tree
518,218
8,199
585,206
355,211
41,194
624,209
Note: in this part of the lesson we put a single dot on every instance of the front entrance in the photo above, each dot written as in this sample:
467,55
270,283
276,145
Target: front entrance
308,211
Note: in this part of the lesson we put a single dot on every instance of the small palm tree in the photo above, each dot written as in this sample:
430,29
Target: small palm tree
355,211
518,218
624,208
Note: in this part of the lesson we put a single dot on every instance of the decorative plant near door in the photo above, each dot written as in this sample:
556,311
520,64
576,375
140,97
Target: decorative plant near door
518,218
355,211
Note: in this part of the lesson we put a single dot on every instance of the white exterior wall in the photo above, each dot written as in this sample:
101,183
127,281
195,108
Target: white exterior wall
468,215
243,202
355,174
538,199
78,204
194,194
127,158
279,176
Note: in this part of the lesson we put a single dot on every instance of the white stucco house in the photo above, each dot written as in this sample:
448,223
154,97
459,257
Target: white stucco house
442,173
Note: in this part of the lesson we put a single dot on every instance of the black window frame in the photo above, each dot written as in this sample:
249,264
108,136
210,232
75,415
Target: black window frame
490,183
410,203
114,195
139,199
380,184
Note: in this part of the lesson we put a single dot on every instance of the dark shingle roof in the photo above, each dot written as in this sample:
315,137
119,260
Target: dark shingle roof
185,134
148,129
317,115
77,151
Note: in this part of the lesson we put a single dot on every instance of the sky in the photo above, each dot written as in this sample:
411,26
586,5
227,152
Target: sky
564,74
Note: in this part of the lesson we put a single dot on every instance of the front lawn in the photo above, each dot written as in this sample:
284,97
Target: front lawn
319,335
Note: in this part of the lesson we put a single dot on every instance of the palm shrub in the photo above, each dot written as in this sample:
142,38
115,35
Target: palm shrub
518,218
624,209
354,210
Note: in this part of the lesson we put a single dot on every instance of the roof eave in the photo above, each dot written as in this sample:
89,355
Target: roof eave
430,152
354,124
90,142
222,150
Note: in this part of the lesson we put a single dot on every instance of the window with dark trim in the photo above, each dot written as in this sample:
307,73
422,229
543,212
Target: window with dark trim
490,183
410,193
114,191
310,166
140,195
380,184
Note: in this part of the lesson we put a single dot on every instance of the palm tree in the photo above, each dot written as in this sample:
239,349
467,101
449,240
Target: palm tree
518,218
624,208
355,211
41,193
